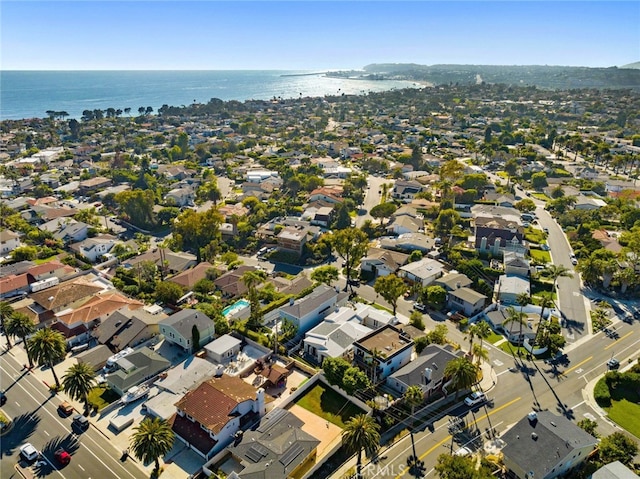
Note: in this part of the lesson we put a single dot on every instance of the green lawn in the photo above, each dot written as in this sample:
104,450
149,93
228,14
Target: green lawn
541,196
626,414
494,338
540,255
102,396
329,405
534,235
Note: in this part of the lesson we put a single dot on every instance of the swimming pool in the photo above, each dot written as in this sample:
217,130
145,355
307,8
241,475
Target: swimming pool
235,307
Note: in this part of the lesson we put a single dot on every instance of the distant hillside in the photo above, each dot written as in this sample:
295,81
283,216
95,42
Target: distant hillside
542,76
635,65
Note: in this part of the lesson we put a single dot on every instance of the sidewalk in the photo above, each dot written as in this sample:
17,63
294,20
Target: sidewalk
98,421
488,382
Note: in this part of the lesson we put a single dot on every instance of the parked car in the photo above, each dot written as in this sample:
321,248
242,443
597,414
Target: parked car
62,456
420,307
28,452
463,451
476,397
66,408
3,398
80,422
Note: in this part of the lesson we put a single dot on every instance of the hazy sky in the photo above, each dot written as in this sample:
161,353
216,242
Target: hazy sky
313,35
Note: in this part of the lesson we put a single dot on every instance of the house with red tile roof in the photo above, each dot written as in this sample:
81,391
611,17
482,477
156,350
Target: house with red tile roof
208,417
96,309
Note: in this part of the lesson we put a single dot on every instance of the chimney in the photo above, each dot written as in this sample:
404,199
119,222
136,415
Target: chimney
291,301
427,374
458,285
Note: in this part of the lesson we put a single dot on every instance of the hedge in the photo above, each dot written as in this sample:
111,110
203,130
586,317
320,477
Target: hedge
601,393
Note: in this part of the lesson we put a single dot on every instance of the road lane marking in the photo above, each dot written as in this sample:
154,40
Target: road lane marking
46,433
632,345
564,373
430,450
56,419
614,343
81,467
17,403
578,405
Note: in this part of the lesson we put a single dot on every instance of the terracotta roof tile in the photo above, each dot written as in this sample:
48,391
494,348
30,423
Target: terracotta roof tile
64,294
212,403
99,306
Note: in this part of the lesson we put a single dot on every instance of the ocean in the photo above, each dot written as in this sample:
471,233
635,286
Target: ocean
30,94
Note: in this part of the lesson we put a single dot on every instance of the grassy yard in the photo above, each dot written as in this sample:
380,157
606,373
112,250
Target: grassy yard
542,256
534,235
494,338
626,414
329,405
625,402
102,396
541,196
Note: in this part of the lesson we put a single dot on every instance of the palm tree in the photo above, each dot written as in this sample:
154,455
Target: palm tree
545,303
5,313
462,373
47,347
483,330
251,280
413,396
522,299
361,432
481,354
555,271
78,383
151,439
472,332
20,325
514,316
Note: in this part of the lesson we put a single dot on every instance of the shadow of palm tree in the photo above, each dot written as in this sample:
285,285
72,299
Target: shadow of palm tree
45,467
23,427
24,373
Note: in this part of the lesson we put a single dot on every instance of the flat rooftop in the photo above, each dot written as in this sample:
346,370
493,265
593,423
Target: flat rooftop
387,340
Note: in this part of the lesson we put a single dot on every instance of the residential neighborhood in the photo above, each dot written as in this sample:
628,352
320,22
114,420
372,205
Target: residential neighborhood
454,270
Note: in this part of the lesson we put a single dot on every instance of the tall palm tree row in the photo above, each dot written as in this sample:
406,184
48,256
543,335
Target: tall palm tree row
361,432
78,383
462,373
20,325
48,347
152,438
5,313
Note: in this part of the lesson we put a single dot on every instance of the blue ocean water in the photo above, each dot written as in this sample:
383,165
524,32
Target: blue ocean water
30,94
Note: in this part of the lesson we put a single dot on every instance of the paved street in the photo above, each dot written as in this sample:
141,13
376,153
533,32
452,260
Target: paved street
37,420
522,386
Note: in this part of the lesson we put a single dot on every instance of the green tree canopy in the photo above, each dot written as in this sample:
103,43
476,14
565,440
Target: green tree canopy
151,439
137,205
168,292
78,382
390,287
326,274
361,433
47,347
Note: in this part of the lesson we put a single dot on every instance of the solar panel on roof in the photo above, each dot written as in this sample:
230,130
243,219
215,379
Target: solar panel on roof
253,454
290,454
256,452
